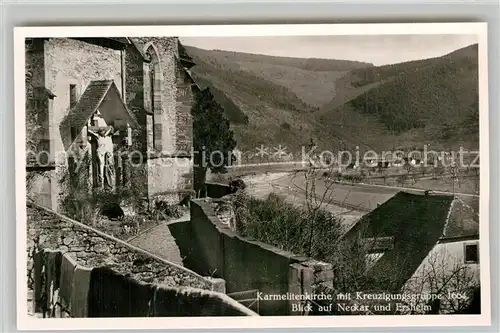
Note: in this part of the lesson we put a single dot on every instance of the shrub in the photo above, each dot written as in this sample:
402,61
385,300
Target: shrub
237,185
167,210
353,178
85,204
276,222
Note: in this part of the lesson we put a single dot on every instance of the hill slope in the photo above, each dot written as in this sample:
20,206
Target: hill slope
262,108
344,105
312,80
429,101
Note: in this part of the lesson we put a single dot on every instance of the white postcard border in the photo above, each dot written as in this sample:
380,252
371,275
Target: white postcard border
25,322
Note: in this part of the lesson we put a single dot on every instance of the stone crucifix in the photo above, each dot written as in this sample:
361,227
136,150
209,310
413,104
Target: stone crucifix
104,155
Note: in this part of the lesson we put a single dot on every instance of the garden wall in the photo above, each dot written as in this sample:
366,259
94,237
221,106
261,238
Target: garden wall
184,293
92,248
109,294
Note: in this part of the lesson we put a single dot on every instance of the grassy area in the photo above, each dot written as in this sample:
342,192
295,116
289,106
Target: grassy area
130,226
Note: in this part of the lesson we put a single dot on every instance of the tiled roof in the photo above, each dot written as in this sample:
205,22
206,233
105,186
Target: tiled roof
463,221
182,51
89,102
44,91
185,58
139,49
123,40
416,222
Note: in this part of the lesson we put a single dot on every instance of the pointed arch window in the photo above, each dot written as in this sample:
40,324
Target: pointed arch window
155,97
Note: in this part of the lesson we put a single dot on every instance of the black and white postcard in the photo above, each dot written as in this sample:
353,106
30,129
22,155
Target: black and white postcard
254,176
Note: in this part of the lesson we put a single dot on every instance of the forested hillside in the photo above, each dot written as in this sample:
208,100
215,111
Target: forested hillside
434,100
260,95
342,104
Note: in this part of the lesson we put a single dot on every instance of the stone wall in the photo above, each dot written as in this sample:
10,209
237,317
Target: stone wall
185,293
184,102
35,61
196,302
123,301
168,116
93,248
39,187
37,100
69,61
134,99
56,63
247,264
39,143
168,178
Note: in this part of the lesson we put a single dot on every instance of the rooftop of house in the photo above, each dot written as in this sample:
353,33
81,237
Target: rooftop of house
115,43
415,223
463,222
89,102
186,59
42,91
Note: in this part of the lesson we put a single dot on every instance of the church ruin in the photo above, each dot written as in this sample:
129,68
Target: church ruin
125,103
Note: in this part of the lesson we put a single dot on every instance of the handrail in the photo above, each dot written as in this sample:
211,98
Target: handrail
238,293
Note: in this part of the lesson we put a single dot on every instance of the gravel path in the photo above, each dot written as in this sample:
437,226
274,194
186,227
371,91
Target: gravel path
159,240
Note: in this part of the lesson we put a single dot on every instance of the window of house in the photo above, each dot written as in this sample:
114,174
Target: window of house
72,95
74,133
471,253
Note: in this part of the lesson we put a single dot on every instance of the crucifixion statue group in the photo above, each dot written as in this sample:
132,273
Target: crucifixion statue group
104,157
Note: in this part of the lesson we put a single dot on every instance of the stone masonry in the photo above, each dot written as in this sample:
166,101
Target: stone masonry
92,248
248,264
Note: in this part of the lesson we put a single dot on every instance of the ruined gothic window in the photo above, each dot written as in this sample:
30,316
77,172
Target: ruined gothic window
151,99
155,96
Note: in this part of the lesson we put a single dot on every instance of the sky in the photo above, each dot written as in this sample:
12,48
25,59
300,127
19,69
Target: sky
378,50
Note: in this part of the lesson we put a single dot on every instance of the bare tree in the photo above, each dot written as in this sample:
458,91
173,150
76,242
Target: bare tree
409,168
318,186
449,281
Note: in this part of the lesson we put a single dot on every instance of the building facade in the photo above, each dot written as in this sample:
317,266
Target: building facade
452,267
123,102
416,244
